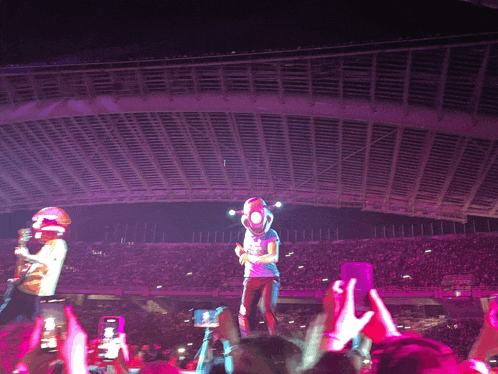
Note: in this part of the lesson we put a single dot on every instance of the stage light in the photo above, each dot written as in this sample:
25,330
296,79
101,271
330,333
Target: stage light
231,212
278,204
181,350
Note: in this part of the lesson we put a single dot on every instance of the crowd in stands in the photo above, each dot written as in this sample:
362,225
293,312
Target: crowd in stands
154,340
413,262
401,262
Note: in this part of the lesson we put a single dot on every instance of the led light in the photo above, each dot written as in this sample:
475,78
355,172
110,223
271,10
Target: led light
278,204
301,266
181,350
256,218
231,212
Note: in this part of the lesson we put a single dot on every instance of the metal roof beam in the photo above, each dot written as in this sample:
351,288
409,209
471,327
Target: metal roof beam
217,150
41,165
13,156
426,149
493,210
10,181
67,164
154,162
197,85
9,89
339,163
368,148
476,95
102,151
406,86
193,148
34,86
394,163
81,153
123,148
313,148
289,151
266,158
457,158
252,87
280,80
442,84
88,84
487,163
223,82
309,75
373,80
140,80
165,139
240,151
341,80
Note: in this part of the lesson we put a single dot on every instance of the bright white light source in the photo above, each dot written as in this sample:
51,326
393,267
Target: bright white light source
231,212
427,251
256,218
406,276
190,343
291,322
159,286
278,204
181,350
325,279
300,266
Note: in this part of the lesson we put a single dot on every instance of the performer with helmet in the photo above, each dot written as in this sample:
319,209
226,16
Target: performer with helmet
36,275
259,256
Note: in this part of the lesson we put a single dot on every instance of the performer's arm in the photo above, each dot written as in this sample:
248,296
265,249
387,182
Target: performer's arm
35,259
270,258
239,250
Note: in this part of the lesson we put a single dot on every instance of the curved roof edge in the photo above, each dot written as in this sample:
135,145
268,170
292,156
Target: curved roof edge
452,122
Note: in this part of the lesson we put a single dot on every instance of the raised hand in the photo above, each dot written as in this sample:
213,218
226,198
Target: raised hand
381,326
332,304
74,349
491,315
345,324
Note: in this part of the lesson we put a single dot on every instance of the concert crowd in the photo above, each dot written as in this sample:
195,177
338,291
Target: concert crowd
158,334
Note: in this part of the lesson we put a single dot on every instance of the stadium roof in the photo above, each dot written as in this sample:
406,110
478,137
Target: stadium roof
406,127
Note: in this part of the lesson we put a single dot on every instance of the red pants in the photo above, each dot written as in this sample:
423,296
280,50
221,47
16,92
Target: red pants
265,288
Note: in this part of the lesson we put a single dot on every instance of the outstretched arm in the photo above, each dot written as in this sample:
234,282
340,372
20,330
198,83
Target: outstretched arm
486,344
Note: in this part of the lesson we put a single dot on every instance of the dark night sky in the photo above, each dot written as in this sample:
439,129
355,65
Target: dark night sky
86,30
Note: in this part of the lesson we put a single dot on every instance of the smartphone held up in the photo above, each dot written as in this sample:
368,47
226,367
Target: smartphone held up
363,273
54,324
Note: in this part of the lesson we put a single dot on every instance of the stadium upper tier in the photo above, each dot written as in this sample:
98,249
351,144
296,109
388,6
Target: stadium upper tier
406,127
